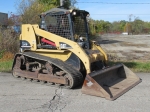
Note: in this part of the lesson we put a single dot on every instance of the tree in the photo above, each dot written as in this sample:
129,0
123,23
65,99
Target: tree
48,4
31,9
107,26
115,26
146,27
14,20
56,3
91,25
137,26
122,25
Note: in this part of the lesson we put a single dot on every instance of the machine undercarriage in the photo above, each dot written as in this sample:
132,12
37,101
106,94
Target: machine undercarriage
39,68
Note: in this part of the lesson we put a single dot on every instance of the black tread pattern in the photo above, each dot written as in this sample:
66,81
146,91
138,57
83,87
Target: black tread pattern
75,75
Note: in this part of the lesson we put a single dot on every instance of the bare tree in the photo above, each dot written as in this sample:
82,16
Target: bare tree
30,11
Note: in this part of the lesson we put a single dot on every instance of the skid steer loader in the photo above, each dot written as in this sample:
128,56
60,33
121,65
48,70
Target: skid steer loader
60,53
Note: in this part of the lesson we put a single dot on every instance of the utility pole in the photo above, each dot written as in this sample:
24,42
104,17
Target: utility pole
129,24
61,3
64,4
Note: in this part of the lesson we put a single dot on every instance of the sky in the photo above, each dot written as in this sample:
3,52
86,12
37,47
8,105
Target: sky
8,6
101,9
116,12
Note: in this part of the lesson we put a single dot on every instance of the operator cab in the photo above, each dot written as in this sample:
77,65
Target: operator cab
70,24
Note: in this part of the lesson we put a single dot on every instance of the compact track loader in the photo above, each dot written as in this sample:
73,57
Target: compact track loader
60,53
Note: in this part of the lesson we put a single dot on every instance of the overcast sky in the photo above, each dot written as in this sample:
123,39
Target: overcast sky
101,9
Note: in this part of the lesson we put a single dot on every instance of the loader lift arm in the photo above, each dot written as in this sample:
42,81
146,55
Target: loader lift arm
60,52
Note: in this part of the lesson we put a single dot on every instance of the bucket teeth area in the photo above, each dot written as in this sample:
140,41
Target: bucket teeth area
111,82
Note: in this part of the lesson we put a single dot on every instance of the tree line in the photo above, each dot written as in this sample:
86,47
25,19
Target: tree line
29,10
134,27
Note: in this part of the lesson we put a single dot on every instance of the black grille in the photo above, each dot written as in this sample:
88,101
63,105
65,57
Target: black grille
58,24
79,26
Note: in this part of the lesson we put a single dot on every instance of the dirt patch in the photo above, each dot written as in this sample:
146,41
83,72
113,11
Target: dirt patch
141,51
132,44
126,48
108,41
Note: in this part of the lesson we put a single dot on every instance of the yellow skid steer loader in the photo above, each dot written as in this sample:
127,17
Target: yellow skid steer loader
60,53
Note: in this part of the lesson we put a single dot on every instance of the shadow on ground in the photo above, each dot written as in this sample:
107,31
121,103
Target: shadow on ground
128,64
108,41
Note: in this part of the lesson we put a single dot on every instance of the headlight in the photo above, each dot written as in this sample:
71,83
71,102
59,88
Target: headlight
74,13
24,43
81,39
64,46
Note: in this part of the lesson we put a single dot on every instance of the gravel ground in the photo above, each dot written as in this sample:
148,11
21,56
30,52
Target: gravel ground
24,96
126,48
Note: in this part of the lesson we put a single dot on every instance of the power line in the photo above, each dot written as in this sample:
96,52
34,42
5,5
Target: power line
142,3
119,14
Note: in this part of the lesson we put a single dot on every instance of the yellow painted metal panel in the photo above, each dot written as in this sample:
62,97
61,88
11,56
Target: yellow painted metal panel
29,35
76,49
59,55
31,32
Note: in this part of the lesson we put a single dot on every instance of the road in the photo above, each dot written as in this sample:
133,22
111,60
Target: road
25,96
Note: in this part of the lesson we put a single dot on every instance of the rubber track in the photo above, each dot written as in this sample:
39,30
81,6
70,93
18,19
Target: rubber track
76,76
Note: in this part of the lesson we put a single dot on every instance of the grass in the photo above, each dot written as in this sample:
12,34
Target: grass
6,61
6,66
135,66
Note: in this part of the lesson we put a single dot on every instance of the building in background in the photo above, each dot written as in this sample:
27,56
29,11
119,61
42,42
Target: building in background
11,22
3,19
15,22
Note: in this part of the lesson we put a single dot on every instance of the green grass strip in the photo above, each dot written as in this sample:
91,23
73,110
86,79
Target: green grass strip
135,66
6,66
